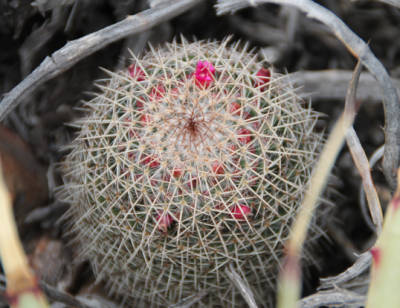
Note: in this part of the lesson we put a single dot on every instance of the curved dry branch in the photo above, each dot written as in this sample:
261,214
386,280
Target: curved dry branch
74,51
333,298
333,84
361,50
362,264
358,154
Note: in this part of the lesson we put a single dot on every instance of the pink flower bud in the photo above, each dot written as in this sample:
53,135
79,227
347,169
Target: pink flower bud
164,220
136,72
177,172
175,92
151,161
264,77
241,211
145,119
234,108
204,73
217,168
131,155
247,115
158,93
232,148
257,126
244,135
139,103
166,177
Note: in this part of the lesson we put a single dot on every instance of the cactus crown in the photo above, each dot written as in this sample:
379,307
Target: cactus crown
194,158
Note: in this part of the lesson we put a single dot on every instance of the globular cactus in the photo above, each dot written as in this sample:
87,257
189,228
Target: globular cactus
193,159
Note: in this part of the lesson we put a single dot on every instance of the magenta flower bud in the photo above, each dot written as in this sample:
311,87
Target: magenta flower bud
204,73
234,108
157,94
241,211
151,160
145,119
217,168
164,220
245,135
177,172
264,76
136,72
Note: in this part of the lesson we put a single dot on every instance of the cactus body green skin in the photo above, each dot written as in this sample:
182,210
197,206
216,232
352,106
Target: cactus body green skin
193,158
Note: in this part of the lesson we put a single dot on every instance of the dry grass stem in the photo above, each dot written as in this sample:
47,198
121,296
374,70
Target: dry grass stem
21,285
290,280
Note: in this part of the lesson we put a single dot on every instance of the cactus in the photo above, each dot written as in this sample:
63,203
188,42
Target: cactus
194,158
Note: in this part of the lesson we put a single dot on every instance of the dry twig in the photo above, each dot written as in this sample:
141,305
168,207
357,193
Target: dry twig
333,298
362,264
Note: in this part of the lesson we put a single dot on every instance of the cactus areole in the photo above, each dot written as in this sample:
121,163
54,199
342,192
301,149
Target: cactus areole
192,159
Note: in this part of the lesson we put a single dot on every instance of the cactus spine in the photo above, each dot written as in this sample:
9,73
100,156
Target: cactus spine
193,158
